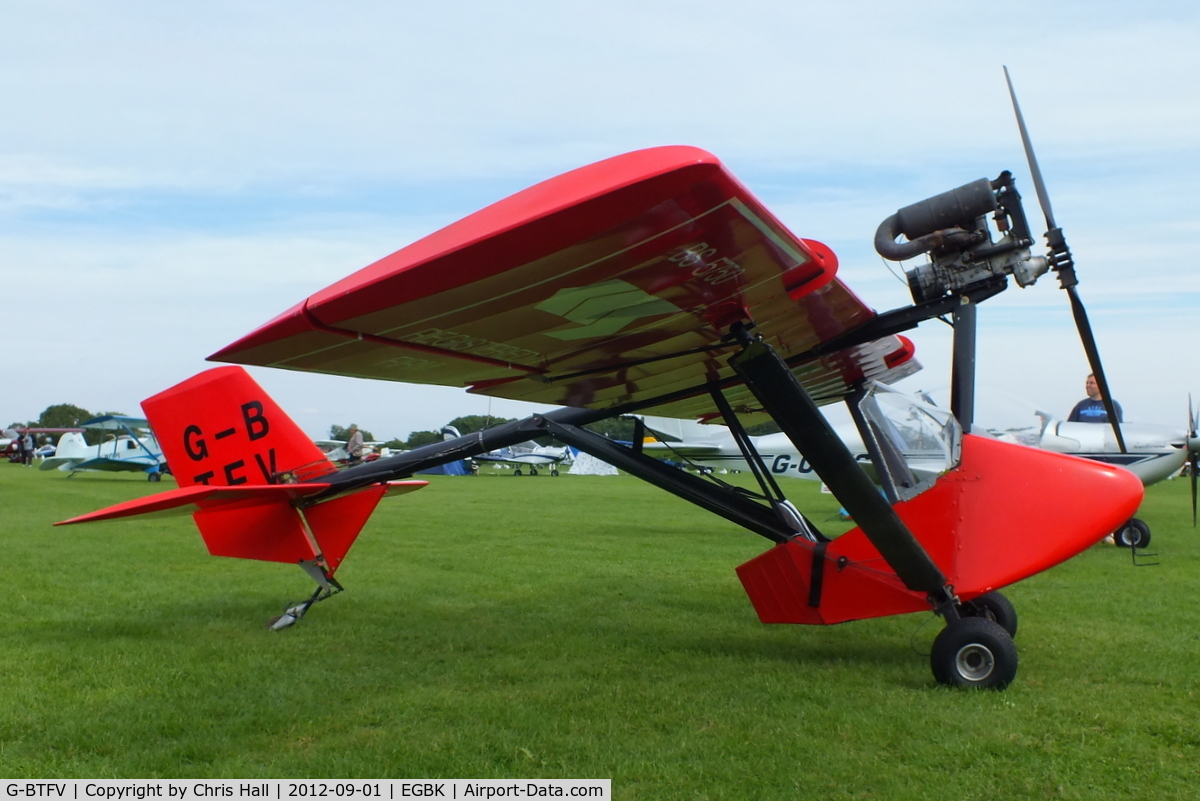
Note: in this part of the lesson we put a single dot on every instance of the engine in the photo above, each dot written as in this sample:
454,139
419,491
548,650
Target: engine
953,230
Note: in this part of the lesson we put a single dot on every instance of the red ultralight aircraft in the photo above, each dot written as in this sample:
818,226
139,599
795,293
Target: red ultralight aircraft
656,280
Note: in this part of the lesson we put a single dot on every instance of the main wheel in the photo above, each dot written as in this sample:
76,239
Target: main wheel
992,606
1134,533
153,477
517,472
533,471
974,652
553,472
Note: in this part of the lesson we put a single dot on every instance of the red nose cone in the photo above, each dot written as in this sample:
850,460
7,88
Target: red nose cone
1018,511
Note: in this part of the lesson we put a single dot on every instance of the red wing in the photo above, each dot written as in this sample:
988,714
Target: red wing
600,287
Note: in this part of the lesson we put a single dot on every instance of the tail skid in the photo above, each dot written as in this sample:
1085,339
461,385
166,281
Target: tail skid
327,587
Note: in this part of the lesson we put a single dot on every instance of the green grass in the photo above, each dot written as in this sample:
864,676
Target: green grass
571,627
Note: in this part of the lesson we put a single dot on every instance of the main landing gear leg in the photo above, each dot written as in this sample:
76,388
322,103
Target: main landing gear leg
973,650
327,586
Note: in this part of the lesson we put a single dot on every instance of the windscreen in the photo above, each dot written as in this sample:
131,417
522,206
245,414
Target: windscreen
915,441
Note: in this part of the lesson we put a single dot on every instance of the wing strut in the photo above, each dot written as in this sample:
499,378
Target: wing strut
784,398
766,482
730,505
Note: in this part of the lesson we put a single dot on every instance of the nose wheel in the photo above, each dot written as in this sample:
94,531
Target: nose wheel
974,652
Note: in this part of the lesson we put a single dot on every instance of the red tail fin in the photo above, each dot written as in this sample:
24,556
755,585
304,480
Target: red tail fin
221,429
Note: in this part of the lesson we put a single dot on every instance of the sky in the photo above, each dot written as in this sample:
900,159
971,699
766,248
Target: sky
174,175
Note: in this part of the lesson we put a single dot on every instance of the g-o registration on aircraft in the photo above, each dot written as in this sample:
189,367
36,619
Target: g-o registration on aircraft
655,280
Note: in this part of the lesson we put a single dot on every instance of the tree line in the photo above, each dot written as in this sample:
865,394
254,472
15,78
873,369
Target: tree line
66,415
616,428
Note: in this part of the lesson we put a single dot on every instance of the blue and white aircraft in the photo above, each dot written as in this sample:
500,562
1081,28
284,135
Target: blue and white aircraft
133,449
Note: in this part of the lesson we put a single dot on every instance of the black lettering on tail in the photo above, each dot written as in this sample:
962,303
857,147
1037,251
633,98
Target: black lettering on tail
256,423
268,474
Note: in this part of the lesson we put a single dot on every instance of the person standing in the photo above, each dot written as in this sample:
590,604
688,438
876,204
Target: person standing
354,445
1091,409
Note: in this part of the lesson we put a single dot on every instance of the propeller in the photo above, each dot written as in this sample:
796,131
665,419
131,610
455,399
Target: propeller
1193,447
1064,267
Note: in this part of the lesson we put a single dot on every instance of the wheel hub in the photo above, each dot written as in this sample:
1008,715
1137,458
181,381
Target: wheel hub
975,662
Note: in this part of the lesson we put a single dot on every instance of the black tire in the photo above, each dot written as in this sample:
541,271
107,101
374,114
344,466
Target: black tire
154,477
1134,533
554,472
517,472
533,471
994,607
974,652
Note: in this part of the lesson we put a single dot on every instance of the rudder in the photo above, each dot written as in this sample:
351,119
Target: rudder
221,428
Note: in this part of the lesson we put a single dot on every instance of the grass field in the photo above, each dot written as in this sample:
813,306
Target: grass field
571,627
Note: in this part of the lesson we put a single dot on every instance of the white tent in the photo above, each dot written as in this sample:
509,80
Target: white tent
587,465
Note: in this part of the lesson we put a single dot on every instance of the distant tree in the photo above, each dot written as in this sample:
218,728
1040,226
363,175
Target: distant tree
618,428
762,429
418,438
63,415
468,424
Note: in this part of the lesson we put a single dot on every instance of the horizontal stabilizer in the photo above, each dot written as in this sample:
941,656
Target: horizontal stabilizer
59,462
189,500
264,521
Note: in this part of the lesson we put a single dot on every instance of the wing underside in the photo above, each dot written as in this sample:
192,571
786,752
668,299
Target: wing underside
610,285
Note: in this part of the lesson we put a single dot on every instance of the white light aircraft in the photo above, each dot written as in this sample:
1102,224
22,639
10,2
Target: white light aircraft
923,429
133,450
527,455
1152,452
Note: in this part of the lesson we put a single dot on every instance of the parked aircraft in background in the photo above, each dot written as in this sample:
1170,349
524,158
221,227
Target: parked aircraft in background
10,441
528,456
918,426
134,449
1153,452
